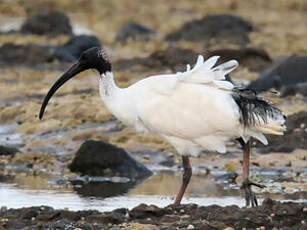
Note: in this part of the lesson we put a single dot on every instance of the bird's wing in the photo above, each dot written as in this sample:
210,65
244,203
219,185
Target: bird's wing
204,72
191,111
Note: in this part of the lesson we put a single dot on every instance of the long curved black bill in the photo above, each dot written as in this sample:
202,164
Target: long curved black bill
70,73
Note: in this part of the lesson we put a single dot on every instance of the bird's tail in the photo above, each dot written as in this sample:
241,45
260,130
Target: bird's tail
258,116
275,126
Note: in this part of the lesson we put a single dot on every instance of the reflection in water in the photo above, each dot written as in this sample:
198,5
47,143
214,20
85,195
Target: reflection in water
106,195
103,189
168,183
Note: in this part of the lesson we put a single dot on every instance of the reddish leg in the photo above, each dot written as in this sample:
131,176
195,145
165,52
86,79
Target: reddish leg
250,196
187,173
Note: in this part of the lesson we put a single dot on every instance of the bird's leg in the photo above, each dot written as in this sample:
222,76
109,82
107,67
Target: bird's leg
187,173
250,196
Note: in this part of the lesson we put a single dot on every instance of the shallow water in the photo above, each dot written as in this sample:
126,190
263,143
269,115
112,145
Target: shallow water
25,191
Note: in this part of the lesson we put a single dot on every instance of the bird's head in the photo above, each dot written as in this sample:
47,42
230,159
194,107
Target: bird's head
93,58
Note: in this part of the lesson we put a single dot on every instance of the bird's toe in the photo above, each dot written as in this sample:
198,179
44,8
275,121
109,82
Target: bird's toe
250,196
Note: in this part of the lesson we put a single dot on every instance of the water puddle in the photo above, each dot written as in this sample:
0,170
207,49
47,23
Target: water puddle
108,194
8,135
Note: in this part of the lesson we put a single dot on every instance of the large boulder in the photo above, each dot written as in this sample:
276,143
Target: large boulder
222,27
98,158
134,31
290,72
72,50
52,24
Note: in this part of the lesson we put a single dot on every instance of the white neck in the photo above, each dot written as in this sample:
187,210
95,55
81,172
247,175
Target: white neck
107,86
116,99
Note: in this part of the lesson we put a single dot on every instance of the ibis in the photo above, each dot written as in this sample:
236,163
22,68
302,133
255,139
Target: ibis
193,110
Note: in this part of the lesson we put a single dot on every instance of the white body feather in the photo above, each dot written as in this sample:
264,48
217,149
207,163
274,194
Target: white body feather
193,110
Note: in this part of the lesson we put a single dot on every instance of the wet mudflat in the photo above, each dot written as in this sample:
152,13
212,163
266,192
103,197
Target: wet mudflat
271,214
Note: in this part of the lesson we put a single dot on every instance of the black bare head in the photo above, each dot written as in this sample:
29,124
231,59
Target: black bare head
93,58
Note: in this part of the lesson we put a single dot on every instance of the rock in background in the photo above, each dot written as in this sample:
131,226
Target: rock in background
221,28
52,24
135,32
290,72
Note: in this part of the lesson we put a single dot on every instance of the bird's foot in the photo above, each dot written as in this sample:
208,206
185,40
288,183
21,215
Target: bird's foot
250,196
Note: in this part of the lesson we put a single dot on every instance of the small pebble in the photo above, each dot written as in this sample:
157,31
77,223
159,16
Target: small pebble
33,218
181,211
190,226
303,222
272,214
304,209
228,228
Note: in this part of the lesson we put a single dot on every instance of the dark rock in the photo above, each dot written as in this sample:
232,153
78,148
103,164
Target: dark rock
172,58
112,217
97,158
143,211
30,214
294,137
52,24
222,28
252,58
72,50
291,90
289,72
27,55
134,31
170,219
8,151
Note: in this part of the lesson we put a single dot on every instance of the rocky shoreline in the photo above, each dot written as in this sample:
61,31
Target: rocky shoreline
270,215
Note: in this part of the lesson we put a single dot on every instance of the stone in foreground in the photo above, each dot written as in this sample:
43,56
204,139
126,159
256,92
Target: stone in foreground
98,158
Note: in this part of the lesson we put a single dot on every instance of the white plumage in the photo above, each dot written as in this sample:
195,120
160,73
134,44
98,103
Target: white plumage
193,110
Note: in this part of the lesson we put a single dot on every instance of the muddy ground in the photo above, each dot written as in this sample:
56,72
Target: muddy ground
270,215
76,113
